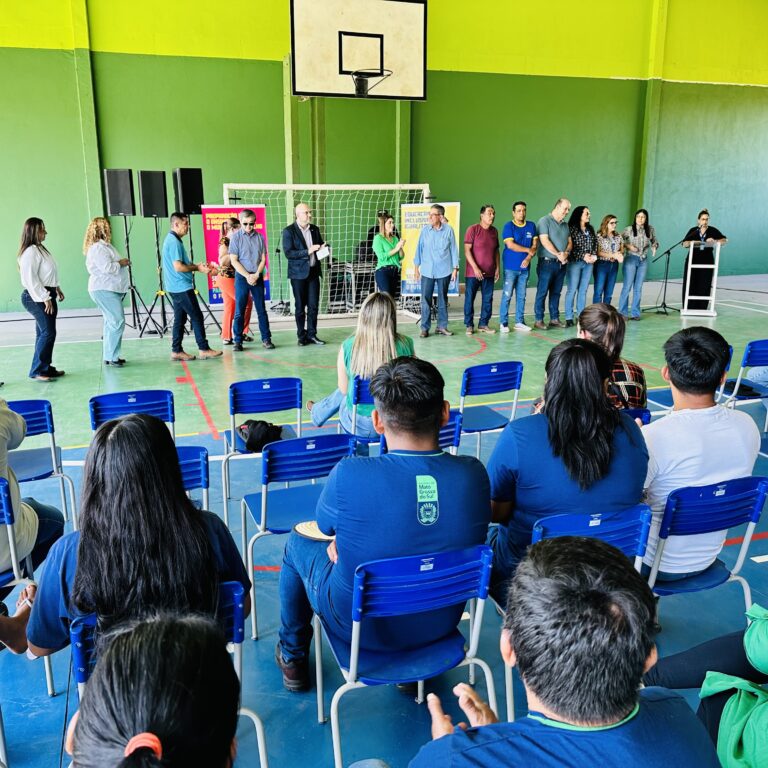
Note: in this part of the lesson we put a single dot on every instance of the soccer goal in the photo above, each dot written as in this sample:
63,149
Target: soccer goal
347,215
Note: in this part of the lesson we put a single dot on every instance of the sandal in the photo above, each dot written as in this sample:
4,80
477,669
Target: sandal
310,405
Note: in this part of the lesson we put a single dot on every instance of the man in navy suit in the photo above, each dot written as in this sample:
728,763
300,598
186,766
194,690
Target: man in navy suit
301,242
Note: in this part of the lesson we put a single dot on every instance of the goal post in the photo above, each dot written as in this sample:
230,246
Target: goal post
347,215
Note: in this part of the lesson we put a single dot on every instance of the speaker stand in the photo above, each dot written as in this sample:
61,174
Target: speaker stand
200,298
162,327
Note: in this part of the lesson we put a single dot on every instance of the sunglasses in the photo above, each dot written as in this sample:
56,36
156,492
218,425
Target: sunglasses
249,223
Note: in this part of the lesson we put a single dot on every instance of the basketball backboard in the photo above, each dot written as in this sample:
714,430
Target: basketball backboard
332,39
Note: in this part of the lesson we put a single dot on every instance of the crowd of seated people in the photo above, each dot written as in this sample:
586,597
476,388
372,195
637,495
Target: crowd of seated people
579,621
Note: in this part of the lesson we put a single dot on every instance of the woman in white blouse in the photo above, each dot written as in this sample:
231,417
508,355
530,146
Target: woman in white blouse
107,285
40,280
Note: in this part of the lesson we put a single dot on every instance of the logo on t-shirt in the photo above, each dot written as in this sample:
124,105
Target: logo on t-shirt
427,505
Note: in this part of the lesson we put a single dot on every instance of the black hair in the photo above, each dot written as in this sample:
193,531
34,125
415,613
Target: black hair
604,325
408,395
574,220
30,235
702,212
646,226
519,202
581,418
170,676
143,544
696,358
582,624
178,216
439,208
484,208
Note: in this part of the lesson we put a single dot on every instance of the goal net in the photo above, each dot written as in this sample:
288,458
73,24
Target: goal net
347,216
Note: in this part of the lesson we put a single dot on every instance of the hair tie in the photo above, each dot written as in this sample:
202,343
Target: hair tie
142,740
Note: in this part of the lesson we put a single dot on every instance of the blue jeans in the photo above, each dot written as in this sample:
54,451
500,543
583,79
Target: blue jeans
45,332
185,305
634,277
49,529
111,305
605,279
388,280
242,291
486,308
335,403
579,275
514,281
304,590
428,285
551,275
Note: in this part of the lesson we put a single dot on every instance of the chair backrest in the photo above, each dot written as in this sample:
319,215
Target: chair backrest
231,611
361,392
37,413
755,353
82,637
639,413
304,458
626,530
6,509
193,462
490,378
449,437
154,402
266,396
7,519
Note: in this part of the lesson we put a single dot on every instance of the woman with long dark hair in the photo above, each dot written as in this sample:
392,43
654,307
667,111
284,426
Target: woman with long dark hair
610,249
142,545
165,693
603,324
580,261
638,238
40,280
578,455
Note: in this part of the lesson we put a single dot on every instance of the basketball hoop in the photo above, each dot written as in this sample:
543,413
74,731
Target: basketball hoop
363,77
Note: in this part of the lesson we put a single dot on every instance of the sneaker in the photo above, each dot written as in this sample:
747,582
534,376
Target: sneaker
227,342
569,323
183,356
246,337
540,325
268,345
522,327
295,673
207,354
555,324
237,348
470,330
504,328
486,329
444,332
424,334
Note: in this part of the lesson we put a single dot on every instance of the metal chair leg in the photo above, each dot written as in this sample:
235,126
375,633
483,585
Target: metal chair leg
3,748
49,676
318,633
335,732
510,693
260,735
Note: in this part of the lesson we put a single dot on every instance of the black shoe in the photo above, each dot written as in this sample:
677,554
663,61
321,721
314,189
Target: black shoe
303,342
237,348
3,609
116,363
295,673
53,373
268,345
569,323
227,342
246,337
315,340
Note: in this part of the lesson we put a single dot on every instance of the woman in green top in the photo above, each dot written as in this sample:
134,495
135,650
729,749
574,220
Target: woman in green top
375,342
389,253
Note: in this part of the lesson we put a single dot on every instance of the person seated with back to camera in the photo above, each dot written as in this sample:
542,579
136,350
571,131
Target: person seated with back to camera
579,625
719,444
376,341
604,325
142,546
413,500
579,455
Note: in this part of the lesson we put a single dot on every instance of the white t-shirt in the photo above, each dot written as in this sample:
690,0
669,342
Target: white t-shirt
103,264
695,447
12,431
38,271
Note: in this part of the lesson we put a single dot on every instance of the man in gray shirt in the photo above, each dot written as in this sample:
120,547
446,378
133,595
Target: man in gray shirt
248,253
554,247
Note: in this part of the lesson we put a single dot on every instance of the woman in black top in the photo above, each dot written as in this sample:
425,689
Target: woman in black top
704,253
580,261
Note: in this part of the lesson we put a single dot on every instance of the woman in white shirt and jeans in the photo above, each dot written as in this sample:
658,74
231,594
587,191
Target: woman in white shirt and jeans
107,285
40,280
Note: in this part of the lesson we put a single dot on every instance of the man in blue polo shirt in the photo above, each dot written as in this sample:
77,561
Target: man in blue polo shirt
413,500
180,286
520,244
249,260
580,627
437,264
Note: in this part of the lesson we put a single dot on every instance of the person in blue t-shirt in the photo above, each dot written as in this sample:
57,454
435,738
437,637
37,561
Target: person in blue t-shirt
142,546
413,500
520,245
579,454
579,626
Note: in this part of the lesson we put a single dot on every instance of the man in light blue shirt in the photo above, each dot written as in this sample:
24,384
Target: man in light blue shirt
437,263
248,253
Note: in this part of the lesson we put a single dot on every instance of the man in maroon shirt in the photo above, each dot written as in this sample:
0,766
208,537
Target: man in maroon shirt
481,251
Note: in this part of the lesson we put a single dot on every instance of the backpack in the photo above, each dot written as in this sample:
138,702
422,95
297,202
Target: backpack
257,433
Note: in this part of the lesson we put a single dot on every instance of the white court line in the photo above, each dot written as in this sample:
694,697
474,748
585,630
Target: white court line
759,559
739,306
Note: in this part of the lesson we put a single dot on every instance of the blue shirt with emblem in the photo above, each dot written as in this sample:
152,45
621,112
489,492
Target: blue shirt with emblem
402,503
522,236
174,250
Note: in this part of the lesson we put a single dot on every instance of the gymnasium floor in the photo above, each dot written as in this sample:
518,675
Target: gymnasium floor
376,722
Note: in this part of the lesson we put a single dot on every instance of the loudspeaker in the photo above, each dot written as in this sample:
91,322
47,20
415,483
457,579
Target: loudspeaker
153,196
188,189
118,190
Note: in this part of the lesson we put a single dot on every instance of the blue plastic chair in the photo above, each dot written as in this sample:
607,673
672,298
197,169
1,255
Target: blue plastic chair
705,509
639,413
755,354
397,587
30,464
82,639
252,397
487,379
361,395
277,511
154,402
193,462
449,438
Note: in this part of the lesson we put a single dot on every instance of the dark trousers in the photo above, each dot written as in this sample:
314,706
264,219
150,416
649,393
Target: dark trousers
185,306
242,290
306,297
388,280
45,332
471,287
551,275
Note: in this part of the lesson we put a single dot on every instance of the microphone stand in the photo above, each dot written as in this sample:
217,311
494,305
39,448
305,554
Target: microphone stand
664,308
279,307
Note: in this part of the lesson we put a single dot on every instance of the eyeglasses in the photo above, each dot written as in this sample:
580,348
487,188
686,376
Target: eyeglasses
249,223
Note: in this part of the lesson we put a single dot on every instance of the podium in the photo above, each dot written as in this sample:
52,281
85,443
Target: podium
699,260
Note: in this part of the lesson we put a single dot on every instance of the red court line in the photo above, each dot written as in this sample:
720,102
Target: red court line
650,367
546,338
739,539
190,379
273,568
483,347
